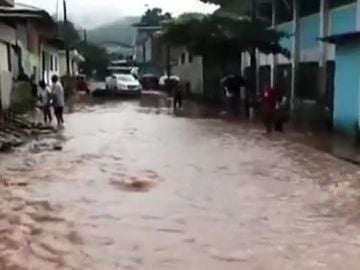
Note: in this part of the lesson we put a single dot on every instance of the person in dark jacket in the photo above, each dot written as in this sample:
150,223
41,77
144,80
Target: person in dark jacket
232,85
178,96
268,107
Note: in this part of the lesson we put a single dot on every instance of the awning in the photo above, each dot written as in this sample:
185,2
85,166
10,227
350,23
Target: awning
343,38
55,42
21,11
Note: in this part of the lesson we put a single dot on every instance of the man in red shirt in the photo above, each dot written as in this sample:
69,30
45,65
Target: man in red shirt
268,106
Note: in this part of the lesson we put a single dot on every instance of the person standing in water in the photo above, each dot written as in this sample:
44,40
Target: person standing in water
58,94
45,102
268,104
232,86
178,96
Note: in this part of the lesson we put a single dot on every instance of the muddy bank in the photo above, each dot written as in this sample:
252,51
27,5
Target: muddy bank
16,130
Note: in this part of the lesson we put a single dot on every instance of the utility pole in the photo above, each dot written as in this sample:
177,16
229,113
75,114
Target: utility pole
67,51
85,36
253,63
57,11
168,61
168,67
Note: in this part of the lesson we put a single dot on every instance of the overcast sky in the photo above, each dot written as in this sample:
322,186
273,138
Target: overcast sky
89,13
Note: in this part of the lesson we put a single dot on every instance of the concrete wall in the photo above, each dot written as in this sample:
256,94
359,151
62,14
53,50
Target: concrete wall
7,38
148,50
191,72
4,65
343,19
62,64
52,63
62,69
139,53
7,34
143,52
286,27
309,31
5,89
347,79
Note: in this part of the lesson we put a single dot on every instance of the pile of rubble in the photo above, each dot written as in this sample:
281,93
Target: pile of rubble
15,130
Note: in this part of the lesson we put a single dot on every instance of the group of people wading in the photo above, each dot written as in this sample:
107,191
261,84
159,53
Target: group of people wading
48,97
273,106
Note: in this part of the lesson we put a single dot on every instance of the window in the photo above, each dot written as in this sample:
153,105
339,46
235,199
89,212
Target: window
8,48
183,58
191,57
51,63
56,67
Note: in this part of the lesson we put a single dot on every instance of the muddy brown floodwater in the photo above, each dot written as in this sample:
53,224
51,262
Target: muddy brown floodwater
136,188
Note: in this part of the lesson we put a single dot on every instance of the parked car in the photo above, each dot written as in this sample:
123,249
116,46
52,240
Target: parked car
150,82
123,83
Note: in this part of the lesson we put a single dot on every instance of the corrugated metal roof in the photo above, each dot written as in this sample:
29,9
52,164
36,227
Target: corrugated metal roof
343,38
25,11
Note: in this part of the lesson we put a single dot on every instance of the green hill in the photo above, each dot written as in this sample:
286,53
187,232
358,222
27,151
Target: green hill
119,31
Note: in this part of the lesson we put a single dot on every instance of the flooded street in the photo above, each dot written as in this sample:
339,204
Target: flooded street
135,188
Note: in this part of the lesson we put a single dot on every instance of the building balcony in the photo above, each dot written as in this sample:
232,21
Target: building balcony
7,3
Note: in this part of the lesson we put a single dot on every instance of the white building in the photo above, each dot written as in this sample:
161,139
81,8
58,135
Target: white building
75,59
144,43
190,70
24,35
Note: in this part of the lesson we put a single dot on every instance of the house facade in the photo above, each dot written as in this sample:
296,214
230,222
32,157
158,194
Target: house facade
318,75
189,68
7,41
75,59
149,50
25,35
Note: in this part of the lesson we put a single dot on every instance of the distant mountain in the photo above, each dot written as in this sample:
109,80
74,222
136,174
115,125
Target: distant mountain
118,31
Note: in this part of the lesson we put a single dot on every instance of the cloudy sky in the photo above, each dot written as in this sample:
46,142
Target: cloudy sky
89,13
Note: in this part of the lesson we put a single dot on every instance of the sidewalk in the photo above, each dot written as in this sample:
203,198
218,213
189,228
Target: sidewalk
346,150
323,141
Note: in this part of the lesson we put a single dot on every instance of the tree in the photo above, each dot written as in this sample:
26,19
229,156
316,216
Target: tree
154,17
249,9
96,58
222,38
69,33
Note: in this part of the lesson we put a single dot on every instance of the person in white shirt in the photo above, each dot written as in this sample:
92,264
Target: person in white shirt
44,97
59,99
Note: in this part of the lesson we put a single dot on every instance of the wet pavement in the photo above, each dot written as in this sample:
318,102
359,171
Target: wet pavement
137,188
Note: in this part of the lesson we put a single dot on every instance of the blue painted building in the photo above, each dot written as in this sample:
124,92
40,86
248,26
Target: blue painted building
347,78
347,83
323,74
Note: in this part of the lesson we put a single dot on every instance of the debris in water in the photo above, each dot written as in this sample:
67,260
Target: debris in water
136,183
58,147
5,147
8,183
